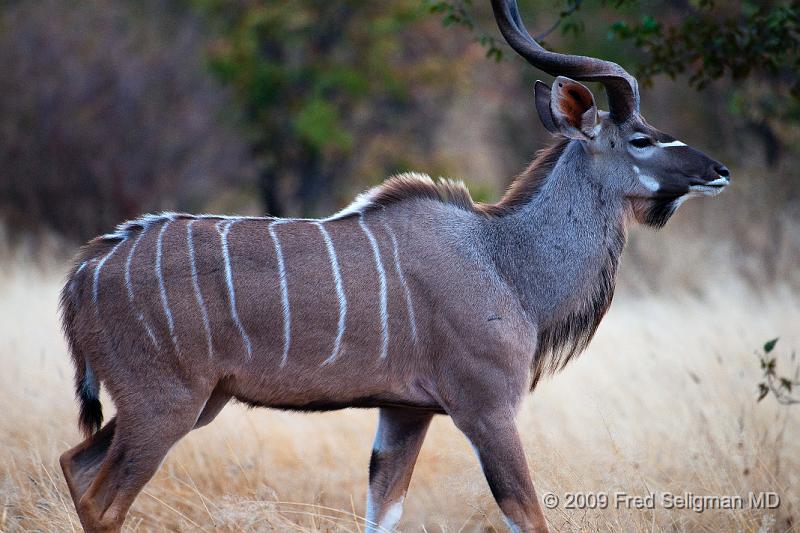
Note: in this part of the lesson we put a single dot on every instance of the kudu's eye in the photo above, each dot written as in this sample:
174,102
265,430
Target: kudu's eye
641,142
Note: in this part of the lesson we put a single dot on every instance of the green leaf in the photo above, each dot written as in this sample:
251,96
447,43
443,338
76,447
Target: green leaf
318,123
786,384
494,52
770,345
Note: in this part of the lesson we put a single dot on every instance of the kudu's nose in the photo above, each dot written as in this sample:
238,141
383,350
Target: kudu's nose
722,170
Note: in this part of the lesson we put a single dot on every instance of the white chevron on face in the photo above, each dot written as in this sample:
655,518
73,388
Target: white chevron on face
670,144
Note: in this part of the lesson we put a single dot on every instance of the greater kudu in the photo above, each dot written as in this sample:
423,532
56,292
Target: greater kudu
413,299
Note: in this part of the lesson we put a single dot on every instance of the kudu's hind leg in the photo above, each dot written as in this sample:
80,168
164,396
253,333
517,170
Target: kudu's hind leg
81,463
499,448
141,440
394,452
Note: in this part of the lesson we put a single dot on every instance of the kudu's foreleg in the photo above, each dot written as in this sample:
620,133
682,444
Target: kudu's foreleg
499,448
394,452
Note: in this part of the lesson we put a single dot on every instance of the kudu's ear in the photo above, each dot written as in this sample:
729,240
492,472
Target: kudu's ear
568,109
541,93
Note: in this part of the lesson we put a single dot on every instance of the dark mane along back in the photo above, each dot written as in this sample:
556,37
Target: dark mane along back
413,186
528,183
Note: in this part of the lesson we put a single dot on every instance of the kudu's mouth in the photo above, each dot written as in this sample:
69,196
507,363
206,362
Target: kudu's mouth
702,187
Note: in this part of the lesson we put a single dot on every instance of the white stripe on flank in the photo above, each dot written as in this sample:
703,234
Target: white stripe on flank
128,283
409,303
97,273
670,144
223,228
287,316
376,252
162,288
75,275
337,279
196,284
129,286
148,330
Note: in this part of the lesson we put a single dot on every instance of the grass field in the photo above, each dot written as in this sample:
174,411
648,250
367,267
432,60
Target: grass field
663,401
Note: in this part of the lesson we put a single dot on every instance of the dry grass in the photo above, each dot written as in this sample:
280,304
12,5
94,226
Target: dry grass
662,401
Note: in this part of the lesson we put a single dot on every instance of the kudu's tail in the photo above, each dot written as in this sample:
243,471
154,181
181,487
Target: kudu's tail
87,386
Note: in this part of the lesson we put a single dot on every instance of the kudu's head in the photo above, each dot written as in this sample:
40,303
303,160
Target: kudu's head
652,169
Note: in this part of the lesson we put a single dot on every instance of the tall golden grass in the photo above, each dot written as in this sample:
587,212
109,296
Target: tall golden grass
663,400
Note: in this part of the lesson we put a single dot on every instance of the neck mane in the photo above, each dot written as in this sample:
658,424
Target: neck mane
413,186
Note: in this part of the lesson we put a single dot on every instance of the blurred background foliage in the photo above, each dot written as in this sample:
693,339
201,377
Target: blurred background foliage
113,108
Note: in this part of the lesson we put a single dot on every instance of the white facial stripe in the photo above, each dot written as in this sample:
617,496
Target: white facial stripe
223,228
97,271
648,182
644,153
196,284
287,317
670,144
337,280
399,270
376,253
162,288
